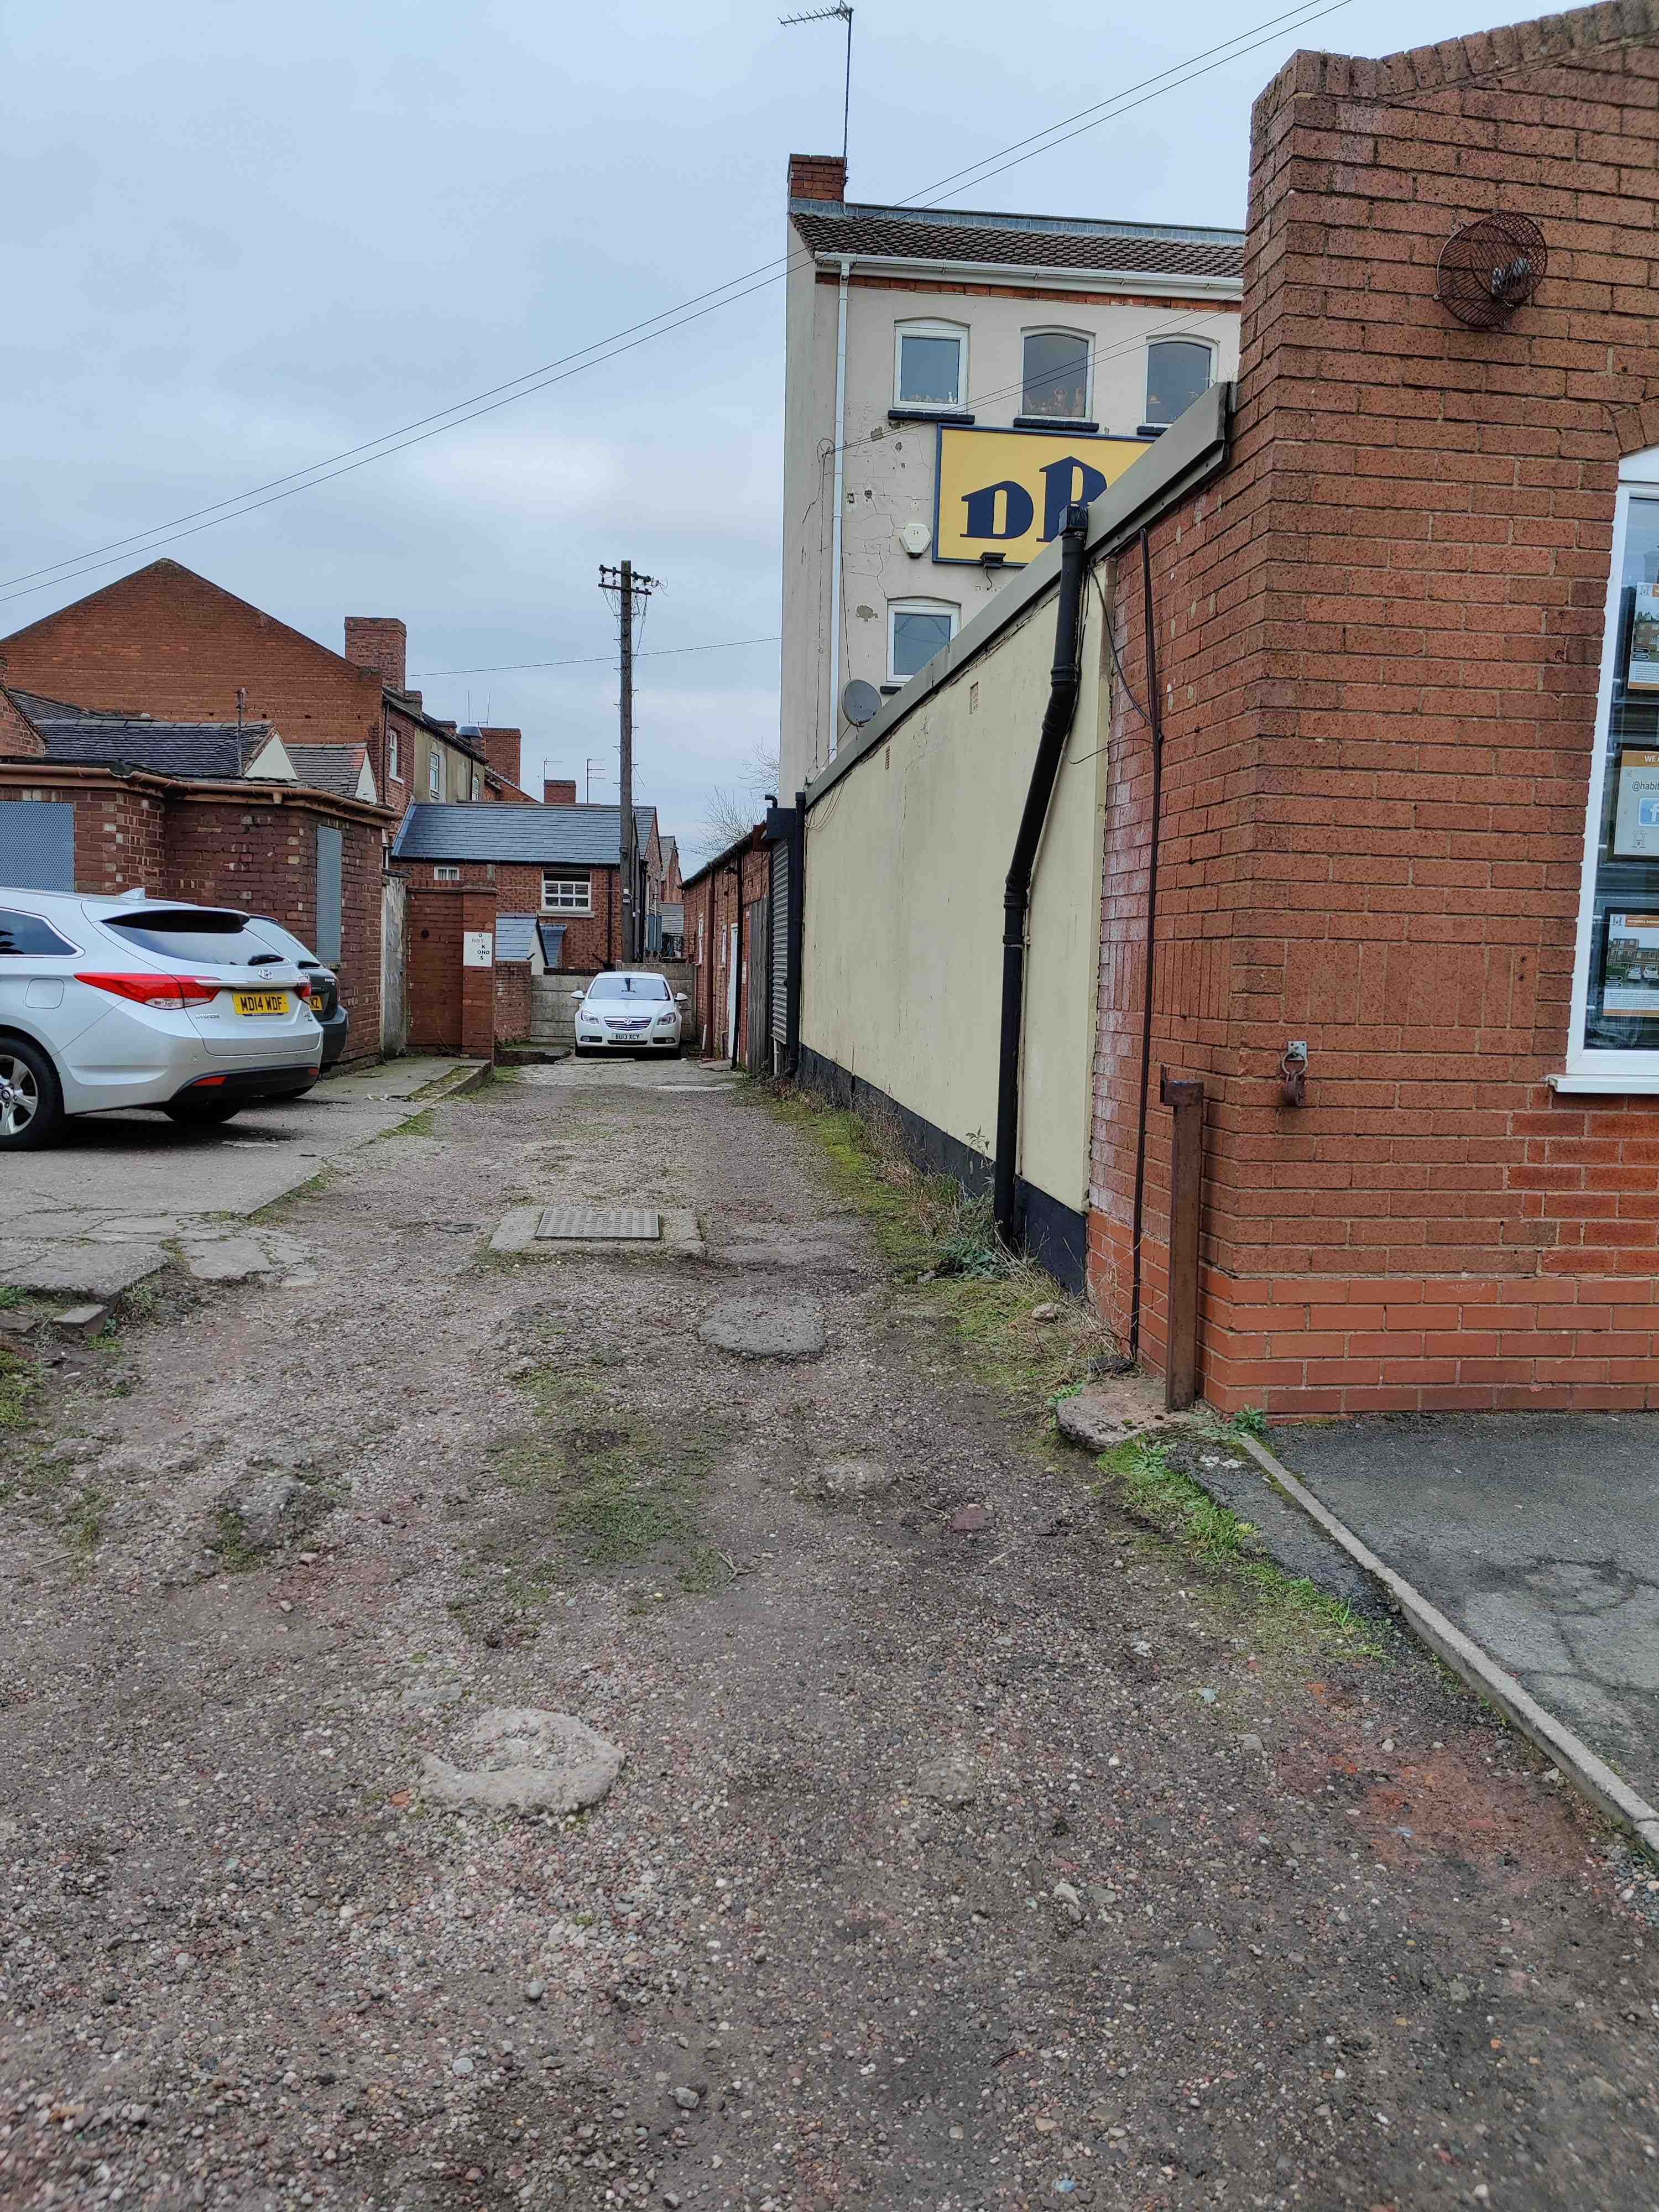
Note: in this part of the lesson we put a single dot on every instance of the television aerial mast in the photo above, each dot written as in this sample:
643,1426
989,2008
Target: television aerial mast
839,14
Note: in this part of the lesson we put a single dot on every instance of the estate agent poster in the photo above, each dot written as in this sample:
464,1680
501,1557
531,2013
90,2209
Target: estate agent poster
1630,972
1635,814
1643,671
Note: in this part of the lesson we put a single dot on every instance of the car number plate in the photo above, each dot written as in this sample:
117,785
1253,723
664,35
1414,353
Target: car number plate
261,1002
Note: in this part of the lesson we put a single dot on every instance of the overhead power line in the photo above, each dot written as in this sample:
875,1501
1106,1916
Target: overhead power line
660,324
590,659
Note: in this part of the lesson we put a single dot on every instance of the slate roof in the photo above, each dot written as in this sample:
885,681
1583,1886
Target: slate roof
214,750
329,768
543,837
1041,242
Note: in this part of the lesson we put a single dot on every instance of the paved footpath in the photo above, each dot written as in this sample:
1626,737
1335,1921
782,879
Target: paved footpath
956,1857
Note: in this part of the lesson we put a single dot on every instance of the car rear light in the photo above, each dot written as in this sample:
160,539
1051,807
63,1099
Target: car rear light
303,988
207,1082
154,990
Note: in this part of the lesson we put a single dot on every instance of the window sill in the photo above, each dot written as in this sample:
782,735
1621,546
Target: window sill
1056,423
1605,1086
952,415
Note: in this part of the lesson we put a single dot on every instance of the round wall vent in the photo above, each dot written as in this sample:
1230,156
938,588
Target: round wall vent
1490,267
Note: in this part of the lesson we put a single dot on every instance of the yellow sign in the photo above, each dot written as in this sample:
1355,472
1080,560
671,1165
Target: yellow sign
1007,491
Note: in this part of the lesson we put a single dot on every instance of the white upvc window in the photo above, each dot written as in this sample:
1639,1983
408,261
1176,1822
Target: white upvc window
1613,1044
567,895
1178,371
916,630
476,787
434,772
1056,375
446,875
930,364
392,768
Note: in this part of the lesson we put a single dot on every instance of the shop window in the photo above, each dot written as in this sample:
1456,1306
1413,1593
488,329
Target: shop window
1178,371
567,895
930,365
916,630
1614,1038
1057,375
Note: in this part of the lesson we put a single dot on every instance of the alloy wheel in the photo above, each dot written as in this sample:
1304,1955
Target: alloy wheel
20,1097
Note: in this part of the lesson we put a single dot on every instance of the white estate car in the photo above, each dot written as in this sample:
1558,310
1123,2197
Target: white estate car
628,1010
135,1001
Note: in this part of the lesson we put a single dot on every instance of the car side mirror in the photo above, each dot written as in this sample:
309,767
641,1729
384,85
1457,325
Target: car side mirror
578,996
680,999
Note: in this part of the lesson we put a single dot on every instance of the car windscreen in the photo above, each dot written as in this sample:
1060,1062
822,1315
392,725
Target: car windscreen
217,939
628,986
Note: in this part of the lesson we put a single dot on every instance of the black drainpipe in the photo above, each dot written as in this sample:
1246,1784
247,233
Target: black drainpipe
1155,720
1016,891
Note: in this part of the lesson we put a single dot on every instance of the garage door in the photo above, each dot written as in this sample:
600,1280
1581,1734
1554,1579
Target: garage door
37,844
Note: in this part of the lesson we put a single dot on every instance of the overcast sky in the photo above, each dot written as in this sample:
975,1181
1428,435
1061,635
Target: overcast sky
237,240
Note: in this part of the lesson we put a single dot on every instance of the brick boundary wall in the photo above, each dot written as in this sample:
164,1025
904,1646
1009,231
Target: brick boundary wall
1379,637
592,941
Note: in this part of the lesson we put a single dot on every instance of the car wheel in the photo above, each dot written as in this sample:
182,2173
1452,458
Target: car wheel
200,1112
31,1097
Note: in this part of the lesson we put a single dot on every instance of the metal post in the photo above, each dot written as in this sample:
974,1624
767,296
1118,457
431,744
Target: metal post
631,953
1186,1099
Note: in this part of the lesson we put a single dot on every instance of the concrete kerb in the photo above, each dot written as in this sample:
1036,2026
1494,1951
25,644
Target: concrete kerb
455,1085
1592,1776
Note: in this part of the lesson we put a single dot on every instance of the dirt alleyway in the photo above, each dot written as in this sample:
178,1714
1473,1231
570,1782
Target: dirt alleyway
951,1864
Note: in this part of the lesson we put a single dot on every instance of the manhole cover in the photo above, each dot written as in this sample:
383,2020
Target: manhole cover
621,1224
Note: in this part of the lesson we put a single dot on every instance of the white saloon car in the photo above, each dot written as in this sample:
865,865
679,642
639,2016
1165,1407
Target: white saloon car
135,1001
628,1010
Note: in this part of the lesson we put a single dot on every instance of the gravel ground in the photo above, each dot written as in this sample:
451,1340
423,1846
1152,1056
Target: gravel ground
959,1859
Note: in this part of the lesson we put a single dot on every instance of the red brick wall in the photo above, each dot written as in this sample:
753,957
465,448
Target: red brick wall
512,999
591,941
19,738
817,177
164,641
263,858
716,900
119,826
1379,638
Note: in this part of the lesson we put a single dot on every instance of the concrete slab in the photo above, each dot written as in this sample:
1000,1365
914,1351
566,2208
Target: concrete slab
1535,1533
766,1328
392,1079
92,1271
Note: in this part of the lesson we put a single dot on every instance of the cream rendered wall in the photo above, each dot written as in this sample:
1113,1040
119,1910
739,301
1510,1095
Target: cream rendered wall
889,468
905,862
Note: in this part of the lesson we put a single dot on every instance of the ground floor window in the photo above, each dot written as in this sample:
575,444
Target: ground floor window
567,895
1616,1017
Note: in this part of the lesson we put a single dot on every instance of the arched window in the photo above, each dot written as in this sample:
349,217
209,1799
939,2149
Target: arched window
1178,371
1055,380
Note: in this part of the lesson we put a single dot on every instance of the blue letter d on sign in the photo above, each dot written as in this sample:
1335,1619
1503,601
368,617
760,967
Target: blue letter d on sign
1017,514
1069,483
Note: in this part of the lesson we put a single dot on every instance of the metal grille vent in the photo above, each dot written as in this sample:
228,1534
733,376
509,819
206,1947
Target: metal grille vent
1490,267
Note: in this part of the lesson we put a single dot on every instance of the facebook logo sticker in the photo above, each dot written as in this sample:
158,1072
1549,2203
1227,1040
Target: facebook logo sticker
1647,813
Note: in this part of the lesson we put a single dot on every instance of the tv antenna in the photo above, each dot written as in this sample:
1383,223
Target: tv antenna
839,14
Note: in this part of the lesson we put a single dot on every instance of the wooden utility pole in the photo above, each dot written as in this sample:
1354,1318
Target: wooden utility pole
630,590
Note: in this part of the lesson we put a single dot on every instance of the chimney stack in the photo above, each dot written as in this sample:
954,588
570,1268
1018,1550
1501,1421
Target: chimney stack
380,642
558,792
501,750
817,177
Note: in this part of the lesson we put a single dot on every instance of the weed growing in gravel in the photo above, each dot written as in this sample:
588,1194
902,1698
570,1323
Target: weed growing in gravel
1140,1477
18,1384
593,1490
9,1296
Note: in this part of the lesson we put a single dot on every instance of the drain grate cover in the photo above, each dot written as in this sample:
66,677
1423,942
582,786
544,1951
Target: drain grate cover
619,1224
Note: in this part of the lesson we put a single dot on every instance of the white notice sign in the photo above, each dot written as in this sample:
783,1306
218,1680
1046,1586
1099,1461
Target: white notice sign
1636,818
477,948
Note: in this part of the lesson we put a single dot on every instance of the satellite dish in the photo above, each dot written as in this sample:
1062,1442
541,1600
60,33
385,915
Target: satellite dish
1490,267
860,702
